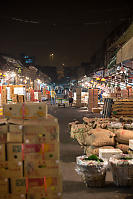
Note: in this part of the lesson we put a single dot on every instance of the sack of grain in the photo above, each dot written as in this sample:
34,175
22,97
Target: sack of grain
78,132
91,150
115,125
100,137
128,126
123,147
123,136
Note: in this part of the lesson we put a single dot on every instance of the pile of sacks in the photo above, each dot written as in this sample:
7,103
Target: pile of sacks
96,133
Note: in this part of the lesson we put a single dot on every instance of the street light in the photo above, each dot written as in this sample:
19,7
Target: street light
51,56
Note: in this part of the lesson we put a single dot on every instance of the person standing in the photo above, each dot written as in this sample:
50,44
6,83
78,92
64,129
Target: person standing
53,96
70,97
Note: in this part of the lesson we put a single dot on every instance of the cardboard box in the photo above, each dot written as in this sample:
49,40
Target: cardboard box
3,126
16,196
39,132
42,195
2,152
5,196
9,169
14,138
25,111
105,154
32,151
39,168
22,185
3,131
3,138
131,144
14,152
15,126
41,151
4,185
18,185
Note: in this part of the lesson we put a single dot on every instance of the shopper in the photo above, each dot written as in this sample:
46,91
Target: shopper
53,96
70,98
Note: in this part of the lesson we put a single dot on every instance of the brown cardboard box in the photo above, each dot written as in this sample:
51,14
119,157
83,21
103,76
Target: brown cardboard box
37,131
15,126
17,196
20,98
2,152
14,138
39,168
3,138
32,152
41,151
5,196
42,195
14,152
9,169
25,111
4,185
18,185
3,126
3,131
23,185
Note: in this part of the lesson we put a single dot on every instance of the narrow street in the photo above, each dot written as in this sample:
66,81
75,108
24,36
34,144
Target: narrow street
73,187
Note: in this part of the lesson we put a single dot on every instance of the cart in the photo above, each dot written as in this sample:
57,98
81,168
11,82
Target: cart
62,102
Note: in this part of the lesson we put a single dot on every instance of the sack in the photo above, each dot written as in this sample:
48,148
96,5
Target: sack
100,137
123,147
123,136
78,132
115,125
128,126
91,150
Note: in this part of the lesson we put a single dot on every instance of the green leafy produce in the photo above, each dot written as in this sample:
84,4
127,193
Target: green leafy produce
125,158
94,157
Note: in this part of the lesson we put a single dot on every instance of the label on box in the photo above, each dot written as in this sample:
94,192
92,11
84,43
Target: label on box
11,169
34,168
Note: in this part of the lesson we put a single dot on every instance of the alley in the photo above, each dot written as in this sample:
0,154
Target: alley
73,187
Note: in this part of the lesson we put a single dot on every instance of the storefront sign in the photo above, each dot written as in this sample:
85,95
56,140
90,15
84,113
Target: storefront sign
19,91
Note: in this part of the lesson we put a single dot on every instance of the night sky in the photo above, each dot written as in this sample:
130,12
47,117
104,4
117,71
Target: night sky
72,31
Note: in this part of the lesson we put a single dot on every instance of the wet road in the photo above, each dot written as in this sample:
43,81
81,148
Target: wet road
73,187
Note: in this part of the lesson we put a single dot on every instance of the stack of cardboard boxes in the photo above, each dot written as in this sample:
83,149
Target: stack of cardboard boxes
93,99
29,153
78,97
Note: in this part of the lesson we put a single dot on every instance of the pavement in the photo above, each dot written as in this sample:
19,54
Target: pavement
73,187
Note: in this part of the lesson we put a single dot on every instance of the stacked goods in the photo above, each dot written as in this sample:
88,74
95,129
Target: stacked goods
78,97
93,99
122,137
31,168
25,111
122,169
98,138
124,93
103,133
78,132
3,96
122,108
92,170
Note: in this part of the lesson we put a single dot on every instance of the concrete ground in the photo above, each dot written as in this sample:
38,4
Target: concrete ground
73,187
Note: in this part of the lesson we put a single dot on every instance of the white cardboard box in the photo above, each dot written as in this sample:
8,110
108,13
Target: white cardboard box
105,154
131,144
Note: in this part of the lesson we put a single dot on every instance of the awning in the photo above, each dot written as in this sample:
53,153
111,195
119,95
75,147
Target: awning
126,52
